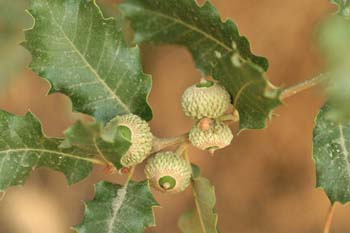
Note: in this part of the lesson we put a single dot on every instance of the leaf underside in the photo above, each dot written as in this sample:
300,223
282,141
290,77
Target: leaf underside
85,57
23,147
331,152
119,209
217,48
190,221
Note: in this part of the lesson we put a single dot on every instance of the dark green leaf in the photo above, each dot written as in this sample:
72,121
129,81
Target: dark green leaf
203,219
331,152
23,147
216,47
119,209
84,56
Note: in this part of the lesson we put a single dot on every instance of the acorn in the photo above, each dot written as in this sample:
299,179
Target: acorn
140,136
168,173
205,99
218,136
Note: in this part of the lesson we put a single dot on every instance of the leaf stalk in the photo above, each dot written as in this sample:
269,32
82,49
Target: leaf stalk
329,219
307,84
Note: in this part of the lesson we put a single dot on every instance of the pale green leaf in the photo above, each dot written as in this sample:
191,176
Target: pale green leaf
119,209
343,6
331,152
92,138
84,56
196,170
217,48
23,147
335,41
203,219
82,135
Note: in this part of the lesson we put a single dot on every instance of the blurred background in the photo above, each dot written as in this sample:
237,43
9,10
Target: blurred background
264,182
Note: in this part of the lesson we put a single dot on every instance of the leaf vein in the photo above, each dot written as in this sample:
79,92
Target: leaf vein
102,81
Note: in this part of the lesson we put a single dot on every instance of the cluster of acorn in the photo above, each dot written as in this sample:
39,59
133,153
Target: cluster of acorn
167,171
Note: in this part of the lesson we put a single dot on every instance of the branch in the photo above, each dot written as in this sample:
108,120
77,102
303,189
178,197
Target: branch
182,148
162,143
290,91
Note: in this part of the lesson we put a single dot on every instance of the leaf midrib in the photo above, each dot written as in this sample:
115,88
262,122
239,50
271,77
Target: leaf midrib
86,62
117,205
346,153
91,160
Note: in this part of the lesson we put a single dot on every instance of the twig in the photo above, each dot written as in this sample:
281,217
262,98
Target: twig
329,219
162,143
290,91
182,148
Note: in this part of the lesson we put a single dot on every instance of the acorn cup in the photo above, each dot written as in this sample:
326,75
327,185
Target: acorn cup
168,172
218,136
140,136
205,99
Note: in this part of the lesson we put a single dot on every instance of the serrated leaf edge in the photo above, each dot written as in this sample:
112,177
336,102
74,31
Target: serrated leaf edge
226,22
52,90
32,115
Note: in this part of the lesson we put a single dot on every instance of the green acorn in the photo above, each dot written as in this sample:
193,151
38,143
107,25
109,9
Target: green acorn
205,99
218,136
140,136
168,173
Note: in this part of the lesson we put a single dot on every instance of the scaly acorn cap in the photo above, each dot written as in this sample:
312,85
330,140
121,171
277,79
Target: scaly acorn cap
218,136
205,99
168,173
141,138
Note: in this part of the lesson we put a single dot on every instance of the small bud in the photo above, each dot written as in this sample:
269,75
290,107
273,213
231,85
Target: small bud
205,99
217,137
124,170
168,173
141,138
205,123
